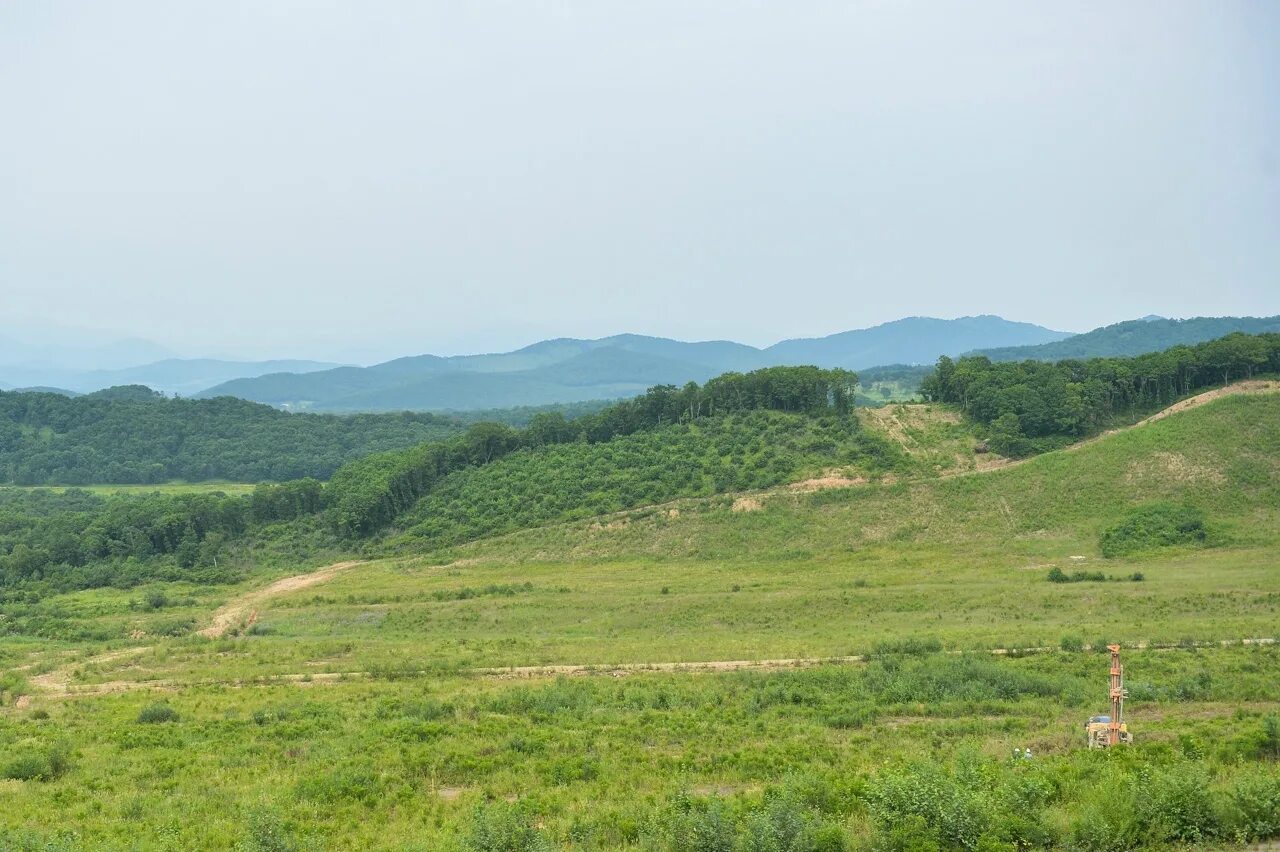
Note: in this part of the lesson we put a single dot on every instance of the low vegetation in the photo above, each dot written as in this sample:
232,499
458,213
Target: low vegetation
1155,526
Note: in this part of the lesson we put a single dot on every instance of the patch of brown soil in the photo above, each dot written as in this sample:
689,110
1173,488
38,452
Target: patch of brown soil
747,504
1172,467
823,483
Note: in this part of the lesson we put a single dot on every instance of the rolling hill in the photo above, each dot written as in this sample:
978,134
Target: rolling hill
1134,337
571,370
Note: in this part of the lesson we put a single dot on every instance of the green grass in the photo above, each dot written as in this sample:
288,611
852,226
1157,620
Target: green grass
405,763
348,716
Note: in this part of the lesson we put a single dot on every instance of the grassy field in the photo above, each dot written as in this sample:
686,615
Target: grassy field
350,713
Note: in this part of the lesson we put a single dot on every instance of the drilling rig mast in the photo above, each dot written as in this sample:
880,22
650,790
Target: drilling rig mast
1107,731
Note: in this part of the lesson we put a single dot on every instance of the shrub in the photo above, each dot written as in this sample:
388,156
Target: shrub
13,684
690,825
1177,806
265,832
1255,800
156,713
1057,575
950,809
45,764
1270,745
502,827
1154,526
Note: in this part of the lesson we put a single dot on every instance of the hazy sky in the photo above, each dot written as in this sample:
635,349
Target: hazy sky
365,179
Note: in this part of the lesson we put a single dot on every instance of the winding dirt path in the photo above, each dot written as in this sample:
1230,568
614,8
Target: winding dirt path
243,611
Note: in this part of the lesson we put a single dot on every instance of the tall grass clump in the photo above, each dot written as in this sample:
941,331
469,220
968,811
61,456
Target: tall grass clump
38,764
505,827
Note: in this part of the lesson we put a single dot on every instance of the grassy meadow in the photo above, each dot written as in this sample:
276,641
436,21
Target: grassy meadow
365,711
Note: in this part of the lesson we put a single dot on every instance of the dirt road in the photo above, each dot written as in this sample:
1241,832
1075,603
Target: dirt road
243,611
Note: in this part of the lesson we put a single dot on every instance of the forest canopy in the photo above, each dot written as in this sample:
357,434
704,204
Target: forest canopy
1034,405
133,435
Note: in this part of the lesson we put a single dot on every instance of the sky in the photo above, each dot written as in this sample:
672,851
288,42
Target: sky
354,181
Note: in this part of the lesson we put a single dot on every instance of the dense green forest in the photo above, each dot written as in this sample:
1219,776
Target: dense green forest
1135,337
1035,405
134,435
736,430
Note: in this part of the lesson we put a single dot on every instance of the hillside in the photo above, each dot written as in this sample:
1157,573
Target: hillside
568,370
132,435
1135,337
732,667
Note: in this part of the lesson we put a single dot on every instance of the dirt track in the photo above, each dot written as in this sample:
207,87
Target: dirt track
243,611
64,690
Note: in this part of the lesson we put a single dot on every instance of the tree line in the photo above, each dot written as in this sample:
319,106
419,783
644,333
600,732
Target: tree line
1033,405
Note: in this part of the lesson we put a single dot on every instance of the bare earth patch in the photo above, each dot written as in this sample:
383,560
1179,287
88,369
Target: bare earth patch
823,483
1172,467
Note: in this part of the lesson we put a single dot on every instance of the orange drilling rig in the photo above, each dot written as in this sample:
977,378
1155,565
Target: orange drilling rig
1107,731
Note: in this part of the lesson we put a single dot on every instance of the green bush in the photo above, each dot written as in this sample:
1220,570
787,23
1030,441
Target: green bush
503,827
13,684
265,832
1178,806
692,825
46,764
952,810
156,713
1154,526
1255,801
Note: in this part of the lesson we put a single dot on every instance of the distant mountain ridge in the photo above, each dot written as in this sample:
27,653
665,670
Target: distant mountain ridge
1134,337
573,370
182,376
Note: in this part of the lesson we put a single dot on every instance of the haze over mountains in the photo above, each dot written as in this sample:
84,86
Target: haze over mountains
1135,337
566,370
570,370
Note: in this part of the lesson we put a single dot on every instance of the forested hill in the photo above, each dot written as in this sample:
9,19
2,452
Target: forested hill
1031,406
736,431
134,435
1135,337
